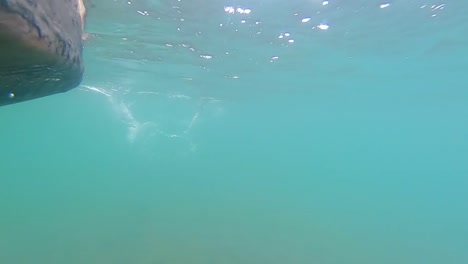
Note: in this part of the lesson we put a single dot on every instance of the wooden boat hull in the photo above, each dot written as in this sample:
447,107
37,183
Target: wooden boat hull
40,48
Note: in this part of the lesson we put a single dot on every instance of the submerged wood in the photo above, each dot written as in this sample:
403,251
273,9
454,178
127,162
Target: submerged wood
40,48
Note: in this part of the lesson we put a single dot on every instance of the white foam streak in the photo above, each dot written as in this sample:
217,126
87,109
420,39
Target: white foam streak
135,127
123,112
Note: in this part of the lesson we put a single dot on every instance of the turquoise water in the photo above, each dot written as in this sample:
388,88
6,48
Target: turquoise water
202,134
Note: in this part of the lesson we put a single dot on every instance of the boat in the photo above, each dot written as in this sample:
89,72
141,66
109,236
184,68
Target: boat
41,48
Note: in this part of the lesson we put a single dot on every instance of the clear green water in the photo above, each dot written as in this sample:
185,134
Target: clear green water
350,147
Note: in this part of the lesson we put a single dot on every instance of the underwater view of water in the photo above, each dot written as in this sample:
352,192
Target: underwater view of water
248,132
